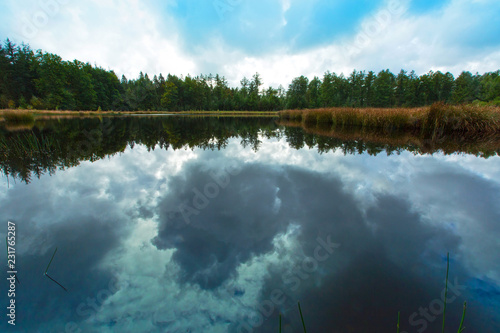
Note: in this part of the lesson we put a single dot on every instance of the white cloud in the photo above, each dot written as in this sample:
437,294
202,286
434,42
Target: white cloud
125,36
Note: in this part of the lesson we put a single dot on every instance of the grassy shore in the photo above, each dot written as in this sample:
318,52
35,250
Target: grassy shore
121,113
231,113
438,119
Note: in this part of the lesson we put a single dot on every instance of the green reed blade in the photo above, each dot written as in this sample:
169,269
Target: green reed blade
60,285
461,328
50,261
446,288
280,322
302,318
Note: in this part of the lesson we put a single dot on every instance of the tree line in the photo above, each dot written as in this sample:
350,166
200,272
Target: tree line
40,80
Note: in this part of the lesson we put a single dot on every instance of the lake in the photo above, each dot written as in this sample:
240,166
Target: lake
192,224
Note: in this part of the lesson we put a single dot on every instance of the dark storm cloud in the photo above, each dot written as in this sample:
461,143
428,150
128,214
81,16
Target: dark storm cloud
387,263
391,259
467,192
84,229
259,203
240,222
82,242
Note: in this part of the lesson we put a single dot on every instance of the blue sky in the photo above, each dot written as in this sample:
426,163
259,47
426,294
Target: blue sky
280,39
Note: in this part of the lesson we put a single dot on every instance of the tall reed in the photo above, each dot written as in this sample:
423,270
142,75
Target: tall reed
435,120
461,328
18,117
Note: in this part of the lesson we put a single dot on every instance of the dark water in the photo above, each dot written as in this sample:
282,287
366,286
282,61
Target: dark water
218,225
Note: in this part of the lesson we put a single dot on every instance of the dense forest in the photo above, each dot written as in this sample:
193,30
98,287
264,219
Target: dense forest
39,80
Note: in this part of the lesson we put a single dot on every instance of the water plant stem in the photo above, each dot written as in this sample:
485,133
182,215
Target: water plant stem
446,288
47,275
60,285
399,313
461,328
302,318
50,261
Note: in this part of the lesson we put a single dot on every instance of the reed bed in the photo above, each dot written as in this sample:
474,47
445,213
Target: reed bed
438,118
18,117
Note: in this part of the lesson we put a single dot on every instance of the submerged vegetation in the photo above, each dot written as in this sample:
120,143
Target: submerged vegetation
44,81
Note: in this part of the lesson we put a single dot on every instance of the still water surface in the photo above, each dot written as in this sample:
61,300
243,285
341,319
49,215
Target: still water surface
195,225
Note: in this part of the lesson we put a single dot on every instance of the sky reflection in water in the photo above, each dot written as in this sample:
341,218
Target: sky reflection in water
142,249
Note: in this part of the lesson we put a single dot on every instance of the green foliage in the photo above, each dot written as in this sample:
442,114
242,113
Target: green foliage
466,88
36,103
170,98
313,93
22,103
74,85
385,84
297,92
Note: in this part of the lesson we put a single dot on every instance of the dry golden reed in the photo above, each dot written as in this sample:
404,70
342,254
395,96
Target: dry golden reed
438,118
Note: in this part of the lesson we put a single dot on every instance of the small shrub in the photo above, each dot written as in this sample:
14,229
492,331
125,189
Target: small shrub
36,103
496,102
22,103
